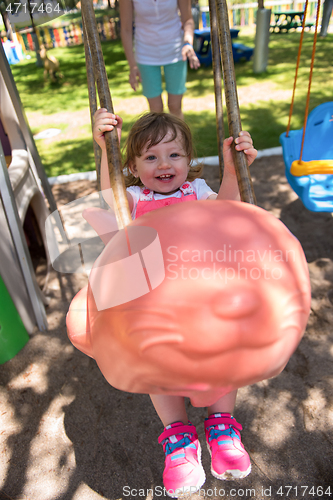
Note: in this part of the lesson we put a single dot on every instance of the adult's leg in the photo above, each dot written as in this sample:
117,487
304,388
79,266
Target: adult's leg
151,77
175,82
155,104
175,105
170,409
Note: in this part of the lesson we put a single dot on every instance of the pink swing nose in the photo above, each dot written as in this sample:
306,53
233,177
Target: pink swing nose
236,303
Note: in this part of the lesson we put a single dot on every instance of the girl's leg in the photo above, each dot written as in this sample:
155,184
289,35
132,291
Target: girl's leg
230,460
226,404
183,470
170,409
175,105
155,104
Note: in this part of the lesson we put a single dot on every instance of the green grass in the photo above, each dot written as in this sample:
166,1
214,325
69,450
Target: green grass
70,156
71,92
66,157
265,120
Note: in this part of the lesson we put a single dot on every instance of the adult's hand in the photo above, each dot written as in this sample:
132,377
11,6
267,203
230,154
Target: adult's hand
188,53
134,77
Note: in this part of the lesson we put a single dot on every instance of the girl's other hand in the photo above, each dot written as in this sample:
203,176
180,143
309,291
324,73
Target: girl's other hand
242,143
105,122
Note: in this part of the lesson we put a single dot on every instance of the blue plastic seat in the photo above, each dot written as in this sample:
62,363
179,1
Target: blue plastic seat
315,191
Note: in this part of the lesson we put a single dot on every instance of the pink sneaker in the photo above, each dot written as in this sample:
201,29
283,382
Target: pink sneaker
230,460
183,471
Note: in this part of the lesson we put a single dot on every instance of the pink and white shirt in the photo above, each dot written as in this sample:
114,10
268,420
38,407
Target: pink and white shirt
145,200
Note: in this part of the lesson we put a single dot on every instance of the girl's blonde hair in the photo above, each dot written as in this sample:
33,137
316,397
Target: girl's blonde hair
149,130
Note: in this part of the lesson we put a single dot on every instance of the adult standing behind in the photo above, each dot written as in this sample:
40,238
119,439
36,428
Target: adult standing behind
163,37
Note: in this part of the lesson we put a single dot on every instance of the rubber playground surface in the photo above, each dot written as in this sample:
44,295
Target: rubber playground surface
67,435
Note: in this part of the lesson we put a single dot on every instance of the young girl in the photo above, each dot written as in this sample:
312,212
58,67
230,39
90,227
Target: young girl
158,161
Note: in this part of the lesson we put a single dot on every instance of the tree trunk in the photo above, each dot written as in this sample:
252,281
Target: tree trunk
8,26
39,62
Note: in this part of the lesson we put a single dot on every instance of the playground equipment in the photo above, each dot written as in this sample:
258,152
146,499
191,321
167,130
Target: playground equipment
198,336
22,185
13,51
288,20
308,152
312,178
204,48
13,335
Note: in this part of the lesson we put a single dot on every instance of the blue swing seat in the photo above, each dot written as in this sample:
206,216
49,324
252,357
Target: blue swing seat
316,190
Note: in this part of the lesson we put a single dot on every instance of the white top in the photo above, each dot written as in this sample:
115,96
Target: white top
200,188
158,32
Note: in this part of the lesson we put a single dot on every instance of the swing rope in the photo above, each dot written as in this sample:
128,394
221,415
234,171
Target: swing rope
310,78
297,68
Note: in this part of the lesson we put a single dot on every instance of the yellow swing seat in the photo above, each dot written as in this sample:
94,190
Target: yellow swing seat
300,167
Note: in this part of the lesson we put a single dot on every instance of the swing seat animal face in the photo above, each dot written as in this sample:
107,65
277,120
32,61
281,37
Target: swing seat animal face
230,311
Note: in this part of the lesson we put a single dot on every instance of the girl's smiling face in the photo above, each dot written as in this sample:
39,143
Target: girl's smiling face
163,168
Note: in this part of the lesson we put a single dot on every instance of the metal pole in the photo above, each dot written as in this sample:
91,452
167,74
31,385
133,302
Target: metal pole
260,58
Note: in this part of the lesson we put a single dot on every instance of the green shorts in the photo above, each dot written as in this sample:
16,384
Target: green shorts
175,75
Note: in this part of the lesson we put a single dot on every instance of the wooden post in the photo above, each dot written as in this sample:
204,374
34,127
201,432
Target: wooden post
92,102
234,121
217,70
111,138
